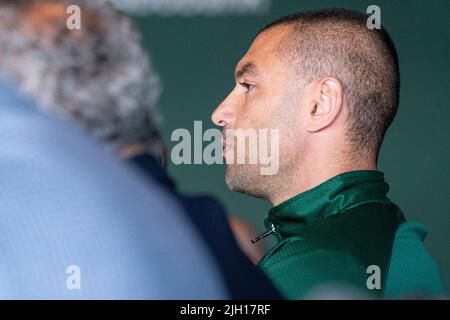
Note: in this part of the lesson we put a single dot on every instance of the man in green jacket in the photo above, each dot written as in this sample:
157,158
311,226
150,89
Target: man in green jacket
330,86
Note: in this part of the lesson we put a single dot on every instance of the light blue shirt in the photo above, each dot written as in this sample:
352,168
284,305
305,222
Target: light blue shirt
77,224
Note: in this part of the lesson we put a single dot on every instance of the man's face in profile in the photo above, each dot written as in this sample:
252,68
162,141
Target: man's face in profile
261,99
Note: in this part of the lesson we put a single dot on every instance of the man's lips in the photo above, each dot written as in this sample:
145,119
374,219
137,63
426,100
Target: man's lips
224,142
225,147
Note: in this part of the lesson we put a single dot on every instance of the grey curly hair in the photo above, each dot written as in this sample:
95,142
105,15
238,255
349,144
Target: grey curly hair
99,76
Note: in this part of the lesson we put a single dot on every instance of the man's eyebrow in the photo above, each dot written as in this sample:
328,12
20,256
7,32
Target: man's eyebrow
248,68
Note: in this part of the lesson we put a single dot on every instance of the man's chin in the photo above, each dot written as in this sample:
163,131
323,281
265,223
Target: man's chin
239,182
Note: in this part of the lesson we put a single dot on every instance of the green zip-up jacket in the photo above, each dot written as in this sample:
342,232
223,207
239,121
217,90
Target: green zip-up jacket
346,231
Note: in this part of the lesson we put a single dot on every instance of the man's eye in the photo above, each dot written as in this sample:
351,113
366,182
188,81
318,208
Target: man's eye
247,86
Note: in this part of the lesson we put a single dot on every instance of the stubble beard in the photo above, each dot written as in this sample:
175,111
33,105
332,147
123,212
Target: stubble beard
246,178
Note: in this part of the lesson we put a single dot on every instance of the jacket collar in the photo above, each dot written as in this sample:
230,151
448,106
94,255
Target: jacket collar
331,197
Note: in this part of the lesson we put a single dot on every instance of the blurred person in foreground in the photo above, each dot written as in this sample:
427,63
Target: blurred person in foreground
101,78
330,85
74,223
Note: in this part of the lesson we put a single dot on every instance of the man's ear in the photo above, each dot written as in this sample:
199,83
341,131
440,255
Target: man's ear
326,103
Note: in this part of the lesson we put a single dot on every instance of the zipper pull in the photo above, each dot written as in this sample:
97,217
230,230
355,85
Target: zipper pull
263,235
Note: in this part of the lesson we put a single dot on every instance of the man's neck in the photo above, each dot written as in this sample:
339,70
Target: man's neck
307,178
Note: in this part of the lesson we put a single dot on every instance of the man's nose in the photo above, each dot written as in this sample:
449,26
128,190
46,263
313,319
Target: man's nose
223,116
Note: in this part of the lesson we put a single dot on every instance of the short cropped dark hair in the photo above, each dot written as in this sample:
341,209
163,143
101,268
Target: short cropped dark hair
337,42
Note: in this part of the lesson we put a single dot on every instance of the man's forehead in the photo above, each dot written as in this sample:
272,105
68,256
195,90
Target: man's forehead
263,52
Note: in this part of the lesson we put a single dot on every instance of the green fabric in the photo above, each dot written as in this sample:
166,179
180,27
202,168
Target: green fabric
332,233
412,271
